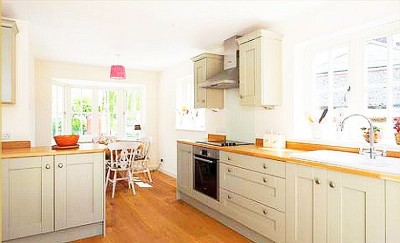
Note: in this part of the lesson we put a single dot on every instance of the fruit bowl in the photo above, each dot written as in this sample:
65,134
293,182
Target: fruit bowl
66,140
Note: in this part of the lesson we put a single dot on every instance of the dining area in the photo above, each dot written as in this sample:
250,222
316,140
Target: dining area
126,162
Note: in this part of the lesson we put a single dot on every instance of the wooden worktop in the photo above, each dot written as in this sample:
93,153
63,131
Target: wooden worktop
285,156
47,151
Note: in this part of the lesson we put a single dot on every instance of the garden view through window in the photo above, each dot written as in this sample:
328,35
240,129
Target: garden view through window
94,111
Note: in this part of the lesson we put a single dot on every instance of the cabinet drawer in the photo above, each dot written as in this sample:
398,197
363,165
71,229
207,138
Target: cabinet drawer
266,166
265,189
262,219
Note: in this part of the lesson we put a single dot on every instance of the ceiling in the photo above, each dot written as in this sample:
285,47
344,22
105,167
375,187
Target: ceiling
148,35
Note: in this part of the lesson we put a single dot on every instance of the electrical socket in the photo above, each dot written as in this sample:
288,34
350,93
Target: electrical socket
5,136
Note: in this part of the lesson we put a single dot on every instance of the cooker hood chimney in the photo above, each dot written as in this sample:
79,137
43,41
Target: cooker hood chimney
229,77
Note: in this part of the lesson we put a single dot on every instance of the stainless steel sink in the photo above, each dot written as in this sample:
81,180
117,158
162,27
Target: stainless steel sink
352,160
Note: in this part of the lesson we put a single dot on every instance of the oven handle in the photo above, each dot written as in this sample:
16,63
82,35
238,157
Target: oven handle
205,160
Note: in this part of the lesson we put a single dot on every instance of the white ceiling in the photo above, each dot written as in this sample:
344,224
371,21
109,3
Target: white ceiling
150,35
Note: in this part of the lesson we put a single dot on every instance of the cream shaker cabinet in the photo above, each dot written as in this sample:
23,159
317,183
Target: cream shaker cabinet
78,190
27,196
51,193
260,69
392,212
328,206
205,66
185,168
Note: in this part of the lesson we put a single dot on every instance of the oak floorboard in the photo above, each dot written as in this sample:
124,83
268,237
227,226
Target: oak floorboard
154,215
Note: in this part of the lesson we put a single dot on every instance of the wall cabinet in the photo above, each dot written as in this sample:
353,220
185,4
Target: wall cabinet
51,193
185,168
205,66
9,31
328,206
260,69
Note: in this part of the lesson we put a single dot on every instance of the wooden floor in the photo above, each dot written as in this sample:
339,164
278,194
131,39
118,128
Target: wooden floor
154,215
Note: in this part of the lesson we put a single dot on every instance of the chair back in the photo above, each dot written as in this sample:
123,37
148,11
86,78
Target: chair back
122,154
144,148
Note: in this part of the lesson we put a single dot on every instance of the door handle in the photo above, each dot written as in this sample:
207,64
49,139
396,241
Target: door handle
47,166
332,184
317,181
60,165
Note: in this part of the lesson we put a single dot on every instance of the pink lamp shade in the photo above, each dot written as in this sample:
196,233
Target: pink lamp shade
117,72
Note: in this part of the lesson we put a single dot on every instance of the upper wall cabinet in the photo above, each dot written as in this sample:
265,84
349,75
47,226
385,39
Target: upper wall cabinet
205,66
9,31
260,69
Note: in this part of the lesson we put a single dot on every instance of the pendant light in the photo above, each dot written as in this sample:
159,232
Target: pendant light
117,71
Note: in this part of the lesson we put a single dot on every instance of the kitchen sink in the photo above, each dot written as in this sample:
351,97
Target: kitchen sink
353,160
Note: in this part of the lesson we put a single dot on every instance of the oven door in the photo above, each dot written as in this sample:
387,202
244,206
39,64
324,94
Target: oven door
206,176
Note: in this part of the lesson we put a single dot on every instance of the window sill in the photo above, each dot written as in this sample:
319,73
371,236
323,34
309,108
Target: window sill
191,129
348,144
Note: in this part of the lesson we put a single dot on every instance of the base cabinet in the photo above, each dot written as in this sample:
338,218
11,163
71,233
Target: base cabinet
328,206
392,212
51,193
185,168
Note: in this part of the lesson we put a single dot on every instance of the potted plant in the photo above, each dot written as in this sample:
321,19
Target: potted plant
396,126
377,134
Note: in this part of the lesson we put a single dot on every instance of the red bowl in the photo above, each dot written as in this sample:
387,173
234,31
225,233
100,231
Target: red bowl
66,140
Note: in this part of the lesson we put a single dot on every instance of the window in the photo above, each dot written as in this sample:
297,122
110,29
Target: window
108,110
187,117
80,108
57,110
330,73
355,73
81,111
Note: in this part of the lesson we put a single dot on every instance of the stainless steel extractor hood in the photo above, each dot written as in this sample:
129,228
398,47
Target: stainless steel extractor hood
229,77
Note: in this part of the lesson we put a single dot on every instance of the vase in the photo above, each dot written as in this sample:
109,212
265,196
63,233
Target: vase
377,137
397,138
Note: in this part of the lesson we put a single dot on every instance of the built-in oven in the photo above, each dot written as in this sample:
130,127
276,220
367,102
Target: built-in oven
206,169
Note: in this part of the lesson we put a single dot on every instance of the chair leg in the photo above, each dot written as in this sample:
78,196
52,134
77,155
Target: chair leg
114,183
149,175
107,178
131,182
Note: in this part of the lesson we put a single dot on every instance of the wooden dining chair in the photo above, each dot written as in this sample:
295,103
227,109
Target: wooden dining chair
120,162
140,164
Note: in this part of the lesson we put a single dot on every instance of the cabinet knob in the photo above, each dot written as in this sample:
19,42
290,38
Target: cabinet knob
229,158
60,165
47,166
203,101
265,180
317,181
265,166
332,184
229,170
229,197
241,96
265,212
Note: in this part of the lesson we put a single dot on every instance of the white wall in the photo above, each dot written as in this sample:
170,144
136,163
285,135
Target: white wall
45,71
19,119
282,119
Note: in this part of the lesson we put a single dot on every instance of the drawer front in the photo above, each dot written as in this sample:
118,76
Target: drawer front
262,219
266,166
265,189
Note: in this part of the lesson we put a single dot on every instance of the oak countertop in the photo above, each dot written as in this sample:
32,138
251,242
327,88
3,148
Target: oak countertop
48,151
284,155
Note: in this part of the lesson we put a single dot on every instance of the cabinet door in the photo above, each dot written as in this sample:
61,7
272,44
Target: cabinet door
200,74
185,168
249,72
79,181
392,212
305,204
27,196
355,209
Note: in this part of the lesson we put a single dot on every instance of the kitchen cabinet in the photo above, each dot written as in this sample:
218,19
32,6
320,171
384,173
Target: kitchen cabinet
185,168
51,193
205,66
252,192
78,190
9,31
27,196
260,69
392,212
328,206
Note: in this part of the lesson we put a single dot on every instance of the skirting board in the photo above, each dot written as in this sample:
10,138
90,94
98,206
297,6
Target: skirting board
241,229
66,235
